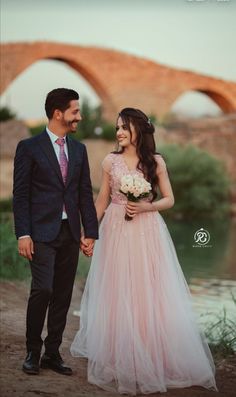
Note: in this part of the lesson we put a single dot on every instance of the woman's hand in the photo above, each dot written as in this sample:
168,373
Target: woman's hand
134,208
87,245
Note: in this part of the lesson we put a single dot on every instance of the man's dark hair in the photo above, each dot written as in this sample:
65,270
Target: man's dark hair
59,99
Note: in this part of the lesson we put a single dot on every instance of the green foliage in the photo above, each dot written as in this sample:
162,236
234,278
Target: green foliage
221,333
108,132
83,266
6,205
153,118
12,265
93,126
91,118
199,181
6,114
37,129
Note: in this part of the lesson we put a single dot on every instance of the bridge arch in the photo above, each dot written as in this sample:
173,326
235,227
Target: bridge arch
119,79
223,101
91,79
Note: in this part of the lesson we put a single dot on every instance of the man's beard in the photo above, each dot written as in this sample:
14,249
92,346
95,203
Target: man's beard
68,124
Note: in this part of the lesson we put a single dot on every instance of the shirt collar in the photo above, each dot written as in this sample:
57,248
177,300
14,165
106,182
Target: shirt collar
53,136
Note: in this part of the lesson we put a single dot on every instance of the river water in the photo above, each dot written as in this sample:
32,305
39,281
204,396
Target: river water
210,268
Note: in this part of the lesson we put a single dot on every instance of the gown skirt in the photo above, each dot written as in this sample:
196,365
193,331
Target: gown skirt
138,328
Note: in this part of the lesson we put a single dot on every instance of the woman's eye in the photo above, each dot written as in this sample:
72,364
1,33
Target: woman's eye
117,128
124,127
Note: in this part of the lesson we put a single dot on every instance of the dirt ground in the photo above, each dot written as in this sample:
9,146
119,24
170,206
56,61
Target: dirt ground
14,383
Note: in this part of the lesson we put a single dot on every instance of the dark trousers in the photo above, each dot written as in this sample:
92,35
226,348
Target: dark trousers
53,271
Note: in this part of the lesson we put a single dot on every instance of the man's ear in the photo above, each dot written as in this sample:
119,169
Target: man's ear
57,114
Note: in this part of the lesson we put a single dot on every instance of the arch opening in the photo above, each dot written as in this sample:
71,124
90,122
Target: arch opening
196,103
26,94
224,103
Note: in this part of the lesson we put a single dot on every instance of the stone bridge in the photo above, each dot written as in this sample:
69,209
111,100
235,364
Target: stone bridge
118,78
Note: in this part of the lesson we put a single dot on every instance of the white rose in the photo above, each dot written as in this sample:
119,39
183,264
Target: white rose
131,189
126,179
124,189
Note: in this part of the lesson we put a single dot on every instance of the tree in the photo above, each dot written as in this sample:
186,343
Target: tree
6,114
199,180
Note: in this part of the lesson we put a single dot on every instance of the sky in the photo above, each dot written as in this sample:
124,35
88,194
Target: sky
195,35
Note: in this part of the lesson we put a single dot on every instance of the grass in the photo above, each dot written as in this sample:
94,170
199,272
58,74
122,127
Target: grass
83,267
221,333
12,266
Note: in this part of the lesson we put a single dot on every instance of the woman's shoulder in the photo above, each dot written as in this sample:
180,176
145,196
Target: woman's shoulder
161,164
109,157
108,160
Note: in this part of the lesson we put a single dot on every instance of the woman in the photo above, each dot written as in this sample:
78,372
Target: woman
137,326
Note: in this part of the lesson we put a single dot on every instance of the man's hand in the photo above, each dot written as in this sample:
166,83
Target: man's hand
26,247
86,245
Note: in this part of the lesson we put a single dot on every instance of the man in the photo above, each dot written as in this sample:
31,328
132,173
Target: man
52,190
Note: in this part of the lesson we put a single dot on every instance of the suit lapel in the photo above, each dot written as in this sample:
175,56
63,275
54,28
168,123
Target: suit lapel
48,149
71,156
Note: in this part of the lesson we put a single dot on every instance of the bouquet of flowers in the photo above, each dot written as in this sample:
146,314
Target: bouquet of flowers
134,188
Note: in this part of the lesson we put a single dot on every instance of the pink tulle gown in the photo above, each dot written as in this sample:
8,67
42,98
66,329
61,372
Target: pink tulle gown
137,326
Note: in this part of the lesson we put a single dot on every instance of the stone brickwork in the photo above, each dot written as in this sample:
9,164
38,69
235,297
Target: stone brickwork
118,78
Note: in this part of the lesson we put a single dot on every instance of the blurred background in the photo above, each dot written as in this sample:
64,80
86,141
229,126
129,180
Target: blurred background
175,60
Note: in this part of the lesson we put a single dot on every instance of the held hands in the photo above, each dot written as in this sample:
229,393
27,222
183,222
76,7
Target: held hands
26,247
86,245
134,208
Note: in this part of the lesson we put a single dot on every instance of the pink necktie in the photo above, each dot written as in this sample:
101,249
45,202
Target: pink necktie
62,159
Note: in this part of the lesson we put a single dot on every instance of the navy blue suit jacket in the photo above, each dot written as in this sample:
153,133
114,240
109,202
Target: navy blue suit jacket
39,192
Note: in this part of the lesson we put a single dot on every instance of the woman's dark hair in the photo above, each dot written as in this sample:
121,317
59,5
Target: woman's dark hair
145,144
59,99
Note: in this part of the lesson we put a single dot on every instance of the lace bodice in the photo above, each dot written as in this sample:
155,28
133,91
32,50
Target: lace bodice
115,165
